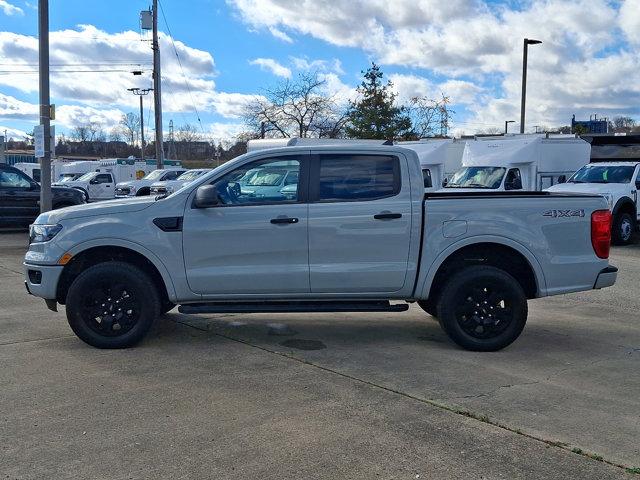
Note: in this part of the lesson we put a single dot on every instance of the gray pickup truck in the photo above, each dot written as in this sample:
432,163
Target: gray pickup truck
359,234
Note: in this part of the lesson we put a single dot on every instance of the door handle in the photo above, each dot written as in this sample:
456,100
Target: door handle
283,220
387,216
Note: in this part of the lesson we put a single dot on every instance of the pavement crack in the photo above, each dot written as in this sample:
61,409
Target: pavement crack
11,270
35,340
434,403
492,392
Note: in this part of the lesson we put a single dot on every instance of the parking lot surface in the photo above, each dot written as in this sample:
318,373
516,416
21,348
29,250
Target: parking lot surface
322,395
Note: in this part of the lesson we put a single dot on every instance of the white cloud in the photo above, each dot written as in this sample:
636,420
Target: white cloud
271,65
303,63
13,109
584,65
276,32
10,9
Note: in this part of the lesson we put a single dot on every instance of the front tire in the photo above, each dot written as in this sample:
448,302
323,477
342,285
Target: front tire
482,308
112,305
622,229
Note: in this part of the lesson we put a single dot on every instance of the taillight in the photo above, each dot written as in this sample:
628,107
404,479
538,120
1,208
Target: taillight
601,232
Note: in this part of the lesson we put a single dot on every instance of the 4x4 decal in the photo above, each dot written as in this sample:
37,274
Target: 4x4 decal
563,213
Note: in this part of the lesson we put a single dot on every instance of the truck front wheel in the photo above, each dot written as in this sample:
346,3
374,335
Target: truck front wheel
622,229
482,308
112,305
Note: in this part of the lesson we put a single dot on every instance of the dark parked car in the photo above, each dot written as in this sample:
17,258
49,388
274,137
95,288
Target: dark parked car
20,198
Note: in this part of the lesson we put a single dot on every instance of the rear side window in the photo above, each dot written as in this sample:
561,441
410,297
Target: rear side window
173,174
348,178
103,178
426,175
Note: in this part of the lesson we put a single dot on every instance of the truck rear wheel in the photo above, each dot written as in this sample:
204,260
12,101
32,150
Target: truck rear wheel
482,308
622,229
112,305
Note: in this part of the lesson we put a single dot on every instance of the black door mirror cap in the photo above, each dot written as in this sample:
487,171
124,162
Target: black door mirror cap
206,197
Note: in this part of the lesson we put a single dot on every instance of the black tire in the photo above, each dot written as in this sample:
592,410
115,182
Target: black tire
145,191
429,307
112,286
482,308
622,229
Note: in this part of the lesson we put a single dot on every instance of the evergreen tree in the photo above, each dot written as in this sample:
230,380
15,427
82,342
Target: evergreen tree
375,114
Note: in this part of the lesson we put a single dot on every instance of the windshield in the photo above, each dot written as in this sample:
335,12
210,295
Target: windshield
477,177
603,174
68,177
87,176
266,178
190,175
155,175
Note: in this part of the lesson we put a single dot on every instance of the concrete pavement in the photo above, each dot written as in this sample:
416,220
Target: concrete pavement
335,396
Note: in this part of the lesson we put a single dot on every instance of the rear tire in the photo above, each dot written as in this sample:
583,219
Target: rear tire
482,308
622,229
112,305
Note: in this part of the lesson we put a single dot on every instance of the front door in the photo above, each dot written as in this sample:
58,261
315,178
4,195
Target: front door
102,187
19,198
359,223
255,241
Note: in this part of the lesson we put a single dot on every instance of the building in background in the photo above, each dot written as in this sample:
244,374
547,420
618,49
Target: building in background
593,125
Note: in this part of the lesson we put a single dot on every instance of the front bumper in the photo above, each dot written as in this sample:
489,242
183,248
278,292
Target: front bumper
606,278
42,280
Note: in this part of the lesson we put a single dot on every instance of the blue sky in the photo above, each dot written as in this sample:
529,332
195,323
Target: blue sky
231,50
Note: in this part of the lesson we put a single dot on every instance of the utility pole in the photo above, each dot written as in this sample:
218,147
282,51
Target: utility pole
141,92
45,107
527,42
157,94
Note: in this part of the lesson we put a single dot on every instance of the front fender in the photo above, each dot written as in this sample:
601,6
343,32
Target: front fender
136,247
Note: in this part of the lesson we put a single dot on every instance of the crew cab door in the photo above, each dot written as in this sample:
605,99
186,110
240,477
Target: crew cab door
102,187
19,198
359,223
252,242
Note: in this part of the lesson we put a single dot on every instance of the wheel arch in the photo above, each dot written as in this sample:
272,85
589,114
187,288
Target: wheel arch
503,253
92,253
625,205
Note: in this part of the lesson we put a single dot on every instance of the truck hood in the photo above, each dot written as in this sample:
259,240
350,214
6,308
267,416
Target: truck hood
109,207
73,183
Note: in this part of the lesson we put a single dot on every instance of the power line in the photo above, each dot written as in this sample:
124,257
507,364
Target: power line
35,72
175,50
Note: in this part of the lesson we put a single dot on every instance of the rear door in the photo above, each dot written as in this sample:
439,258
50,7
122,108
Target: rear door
359,223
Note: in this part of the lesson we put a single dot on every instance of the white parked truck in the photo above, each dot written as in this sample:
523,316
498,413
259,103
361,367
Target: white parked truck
99,183
519,162
358,234
439,159
139,188
167,187
619,183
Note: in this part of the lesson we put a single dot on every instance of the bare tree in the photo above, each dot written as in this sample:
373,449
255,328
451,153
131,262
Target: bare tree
115,134
130,124
80,133
297,107
622,125
188,134
430,117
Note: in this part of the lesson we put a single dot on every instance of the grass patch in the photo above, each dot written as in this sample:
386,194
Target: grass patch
635,470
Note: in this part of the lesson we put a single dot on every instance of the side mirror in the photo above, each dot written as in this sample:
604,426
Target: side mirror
206,197
445,182
562,179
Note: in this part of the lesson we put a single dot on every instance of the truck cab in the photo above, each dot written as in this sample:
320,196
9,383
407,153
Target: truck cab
95,185
518,162
619,183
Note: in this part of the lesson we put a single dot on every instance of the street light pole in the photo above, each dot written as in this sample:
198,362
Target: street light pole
157,94
526,42
506,125
141,92
45,107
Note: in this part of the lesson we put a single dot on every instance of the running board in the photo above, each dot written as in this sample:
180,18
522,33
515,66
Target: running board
292,307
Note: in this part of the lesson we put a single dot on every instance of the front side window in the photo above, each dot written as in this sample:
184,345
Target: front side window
173,174
260,182
103,178
513,180
10,179
347,178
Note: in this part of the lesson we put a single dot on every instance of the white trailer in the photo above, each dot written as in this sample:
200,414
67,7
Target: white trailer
519,162
439,159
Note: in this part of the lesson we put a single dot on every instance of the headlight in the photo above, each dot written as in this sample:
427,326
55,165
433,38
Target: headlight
169,189
43,233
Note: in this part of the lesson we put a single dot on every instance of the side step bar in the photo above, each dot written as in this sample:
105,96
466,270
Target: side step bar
292,307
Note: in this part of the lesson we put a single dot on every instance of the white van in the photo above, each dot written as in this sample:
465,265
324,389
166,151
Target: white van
519,162
439,159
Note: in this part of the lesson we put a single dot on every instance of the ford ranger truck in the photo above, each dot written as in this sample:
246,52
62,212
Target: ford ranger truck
359,235
618,182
